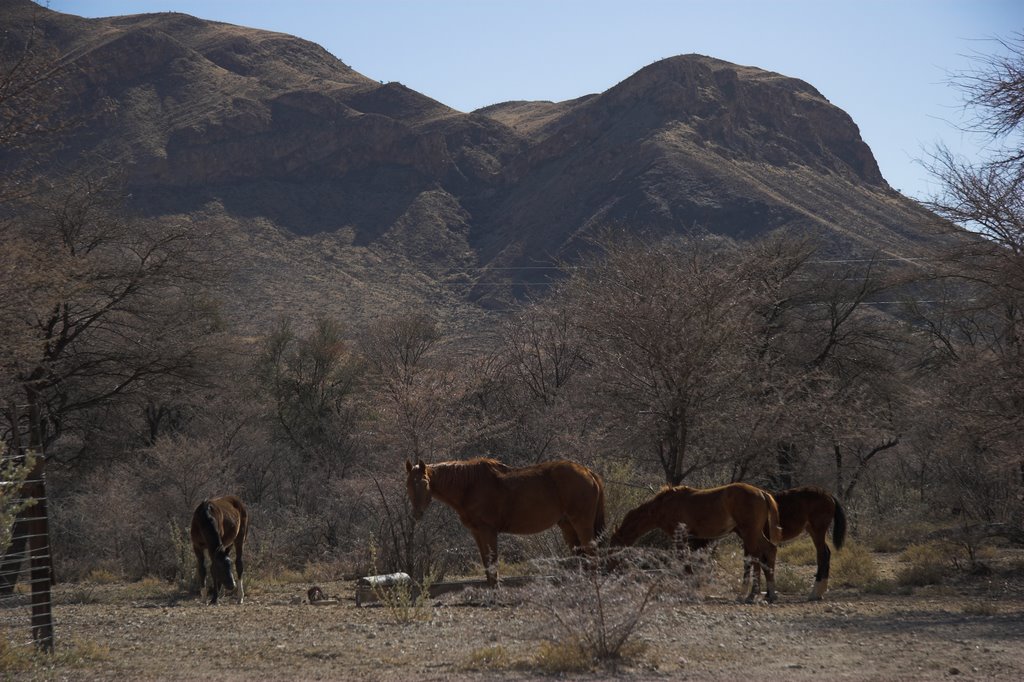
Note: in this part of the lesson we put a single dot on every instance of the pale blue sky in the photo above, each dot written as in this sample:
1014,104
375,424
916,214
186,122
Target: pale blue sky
883,61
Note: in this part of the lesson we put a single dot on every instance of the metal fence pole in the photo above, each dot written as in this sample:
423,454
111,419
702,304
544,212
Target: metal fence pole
31,528
40,558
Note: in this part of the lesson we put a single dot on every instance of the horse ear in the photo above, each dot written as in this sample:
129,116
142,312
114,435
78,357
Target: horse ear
421,465
408,466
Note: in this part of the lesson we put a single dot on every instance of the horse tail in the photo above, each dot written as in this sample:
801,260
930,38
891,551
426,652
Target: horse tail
208,526
243,521
599,513
838,525
774,524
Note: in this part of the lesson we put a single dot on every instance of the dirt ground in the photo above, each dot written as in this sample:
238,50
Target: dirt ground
972,627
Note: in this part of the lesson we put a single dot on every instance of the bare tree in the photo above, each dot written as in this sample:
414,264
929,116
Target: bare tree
846,351
532,401
109,306
672,331
313,383
977,339
414,388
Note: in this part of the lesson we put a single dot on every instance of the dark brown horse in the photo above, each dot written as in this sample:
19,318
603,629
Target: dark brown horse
217,525
813,510
491,498
710,513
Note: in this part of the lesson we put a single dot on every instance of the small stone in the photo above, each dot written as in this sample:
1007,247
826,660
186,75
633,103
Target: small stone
954,671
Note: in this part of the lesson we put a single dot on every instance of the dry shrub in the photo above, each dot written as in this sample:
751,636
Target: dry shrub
789,580
153,587
102,576
799,553
384,538
889,538
854,566
406,601
120,520
185,575
71,653
491,658
594,613
981,609
621,496
559,657
14,658
928,563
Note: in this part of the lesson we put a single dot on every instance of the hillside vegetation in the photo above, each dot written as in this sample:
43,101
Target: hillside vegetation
233,264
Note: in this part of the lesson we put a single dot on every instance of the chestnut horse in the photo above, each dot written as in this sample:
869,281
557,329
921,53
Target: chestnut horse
710,513
491,498
217,525
813,510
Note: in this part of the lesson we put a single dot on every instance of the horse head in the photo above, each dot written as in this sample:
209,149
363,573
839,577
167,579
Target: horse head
220,565
636,522
417,482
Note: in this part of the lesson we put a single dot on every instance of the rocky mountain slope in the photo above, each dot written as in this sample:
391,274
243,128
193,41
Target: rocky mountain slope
368,192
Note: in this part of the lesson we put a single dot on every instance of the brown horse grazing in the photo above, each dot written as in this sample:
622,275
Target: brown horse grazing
491,498
813,510
217,525
711,513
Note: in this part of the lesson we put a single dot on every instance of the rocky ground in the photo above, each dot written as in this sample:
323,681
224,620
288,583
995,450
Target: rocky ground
970,627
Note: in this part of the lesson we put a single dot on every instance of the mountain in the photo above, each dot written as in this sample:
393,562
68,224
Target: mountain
346,195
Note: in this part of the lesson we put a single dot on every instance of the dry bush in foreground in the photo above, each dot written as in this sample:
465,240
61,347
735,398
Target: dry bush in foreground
595,613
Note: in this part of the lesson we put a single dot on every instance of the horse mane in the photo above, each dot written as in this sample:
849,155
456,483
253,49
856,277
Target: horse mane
460,474
208,527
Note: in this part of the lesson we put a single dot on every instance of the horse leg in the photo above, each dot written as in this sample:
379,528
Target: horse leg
487,543
571,537
824,564
239,591
756,563
239,567
753,557
769,573
749,569
200,570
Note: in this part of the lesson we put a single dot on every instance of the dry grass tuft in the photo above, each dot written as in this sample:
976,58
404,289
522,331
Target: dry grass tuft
929,563
800,552
102,576
72,653
854,566
790,580
491,658
563,656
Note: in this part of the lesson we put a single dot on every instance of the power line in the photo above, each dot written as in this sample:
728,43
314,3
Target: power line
830,261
